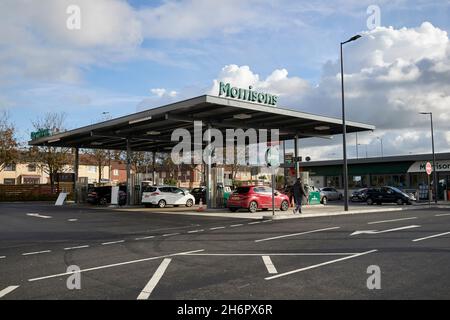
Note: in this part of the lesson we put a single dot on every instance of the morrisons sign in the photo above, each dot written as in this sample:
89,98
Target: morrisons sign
225,89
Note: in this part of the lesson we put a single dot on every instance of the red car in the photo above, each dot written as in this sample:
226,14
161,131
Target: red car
256,197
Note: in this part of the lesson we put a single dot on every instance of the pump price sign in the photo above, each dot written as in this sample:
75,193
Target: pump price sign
428,168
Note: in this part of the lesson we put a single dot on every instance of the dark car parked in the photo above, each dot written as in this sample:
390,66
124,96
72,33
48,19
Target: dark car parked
387,195
359,195
199,193
102,195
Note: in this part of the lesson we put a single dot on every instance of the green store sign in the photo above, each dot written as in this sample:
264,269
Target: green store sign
225,89
40,134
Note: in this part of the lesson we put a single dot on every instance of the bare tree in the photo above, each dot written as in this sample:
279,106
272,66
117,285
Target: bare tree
8,144
51,160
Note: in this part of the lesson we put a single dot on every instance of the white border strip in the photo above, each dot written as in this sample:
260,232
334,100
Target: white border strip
7,290
147,291
393,220
433,236
296,234
319,265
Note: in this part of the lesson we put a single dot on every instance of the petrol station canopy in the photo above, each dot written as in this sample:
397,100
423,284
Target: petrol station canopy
151,130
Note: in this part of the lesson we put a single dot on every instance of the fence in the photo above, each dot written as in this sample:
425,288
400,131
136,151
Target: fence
32,192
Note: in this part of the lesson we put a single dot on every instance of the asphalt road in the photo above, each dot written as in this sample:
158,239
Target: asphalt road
131,255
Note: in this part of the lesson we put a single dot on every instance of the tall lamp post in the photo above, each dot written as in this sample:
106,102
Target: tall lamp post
344,129
381,141
434,157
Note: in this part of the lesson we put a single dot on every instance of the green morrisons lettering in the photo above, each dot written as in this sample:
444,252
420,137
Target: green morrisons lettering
40,134
225,89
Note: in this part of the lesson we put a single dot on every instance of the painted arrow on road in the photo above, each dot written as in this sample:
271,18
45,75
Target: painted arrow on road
382,231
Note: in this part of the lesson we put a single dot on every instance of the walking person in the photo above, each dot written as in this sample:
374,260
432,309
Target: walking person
299,193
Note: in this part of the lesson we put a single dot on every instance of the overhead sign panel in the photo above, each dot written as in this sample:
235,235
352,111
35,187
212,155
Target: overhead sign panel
225,89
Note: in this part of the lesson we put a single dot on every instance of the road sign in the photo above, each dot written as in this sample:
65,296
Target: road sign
428,168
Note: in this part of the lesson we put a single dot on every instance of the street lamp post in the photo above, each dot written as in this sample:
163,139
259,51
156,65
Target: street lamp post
344,129
381,141
434,157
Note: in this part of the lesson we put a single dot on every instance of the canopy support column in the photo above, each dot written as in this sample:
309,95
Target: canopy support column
297,163
76,165
129,184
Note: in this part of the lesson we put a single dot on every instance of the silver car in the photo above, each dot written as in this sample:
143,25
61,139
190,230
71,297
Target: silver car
329,194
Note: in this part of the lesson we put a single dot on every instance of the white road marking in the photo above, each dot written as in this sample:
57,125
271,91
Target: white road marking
274,254
383,221
72,220
170,234
143,238
7,290
78,247
112,242
2,257
37,252
433,236
266,221
236,225
442,215
382,231
37,215
254,222
147,291
195,231
269,265
216,228
319,265
114,265
296,234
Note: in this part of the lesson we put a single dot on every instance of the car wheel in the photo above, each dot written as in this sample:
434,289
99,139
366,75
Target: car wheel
161,203
253,207
233,209
369,201
324,200
284,206
189,203
399,202
103,201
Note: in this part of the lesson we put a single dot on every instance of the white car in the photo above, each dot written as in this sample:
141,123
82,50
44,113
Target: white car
166,195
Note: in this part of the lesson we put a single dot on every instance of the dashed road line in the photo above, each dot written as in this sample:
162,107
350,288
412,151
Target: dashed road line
442,215
113,265
296,234
236,225
144,238
433,236
148,289
393,220
216,228
320,265
37,215
195,231
2,257
112,242
256,222
170,234
36,252
72,220
78,247
7,290
269,265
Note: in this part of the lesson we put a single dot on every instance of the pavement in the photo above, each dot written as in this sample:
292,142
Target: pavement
73,252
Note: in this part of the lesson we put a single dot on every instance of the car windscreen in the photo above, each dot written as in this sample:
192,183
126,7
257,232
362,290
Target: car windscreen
242,190
399,191
196,190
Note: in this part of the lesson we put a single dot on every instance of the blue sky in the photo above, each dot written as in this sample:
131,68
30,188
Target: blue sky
127,48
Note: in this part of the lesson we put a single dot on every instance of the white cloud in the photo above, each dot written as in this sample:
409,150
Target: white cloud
161,92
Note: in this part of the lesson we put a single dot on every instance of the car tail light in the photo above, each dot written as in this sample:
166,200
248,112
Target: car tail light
155,194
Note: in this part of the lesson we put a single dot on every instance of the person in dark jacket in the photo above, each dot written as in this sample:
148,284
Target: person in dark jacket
299,192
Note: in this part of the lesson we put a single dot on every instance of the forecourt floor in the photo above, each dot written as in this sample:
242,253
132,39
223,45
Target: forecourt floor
142,255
